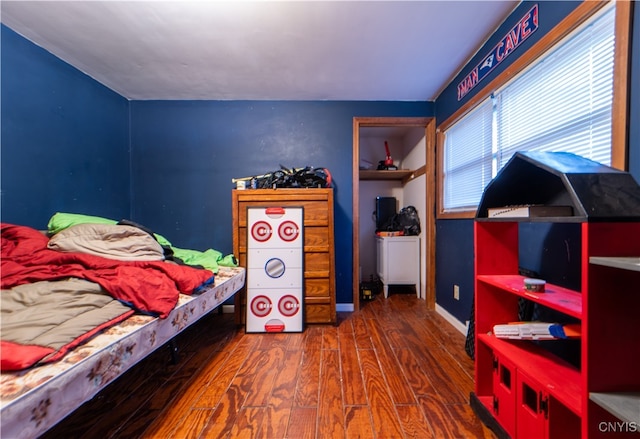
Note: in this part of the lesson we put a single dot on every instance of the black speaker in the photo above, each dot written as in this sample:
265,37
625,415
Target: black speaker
385,210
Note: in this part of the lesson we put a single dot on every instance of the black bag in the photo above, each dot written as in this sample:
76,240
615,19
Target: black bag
406,221
307,177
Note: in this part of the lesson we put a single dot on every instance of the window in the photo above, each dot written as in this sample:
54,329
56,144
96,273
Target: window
562,102
467,170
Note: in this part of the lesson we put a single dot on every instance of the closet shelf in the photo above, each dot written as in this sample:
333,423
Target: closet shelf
400,174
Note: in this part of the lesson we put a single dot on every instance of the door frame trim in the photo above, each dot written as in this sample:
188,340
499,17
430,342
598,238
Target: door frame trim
429,229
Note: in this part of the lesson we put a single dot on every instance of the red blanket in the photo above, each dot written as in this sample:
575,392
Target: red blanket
150,287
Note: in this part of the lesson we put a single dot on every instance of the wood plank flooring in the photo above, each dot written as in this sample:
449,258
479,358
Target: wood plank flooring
391,370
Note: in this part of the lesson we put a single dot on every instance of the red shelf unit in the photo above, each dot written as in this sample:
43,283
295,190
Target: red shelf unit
525,389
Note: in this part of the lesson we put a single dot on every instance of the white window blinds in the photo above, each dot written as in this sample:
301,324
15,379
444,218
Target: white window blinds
468,157
561,103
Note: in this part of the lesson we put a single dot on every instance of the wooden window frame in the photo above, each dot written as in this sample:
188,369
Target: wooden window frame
620,105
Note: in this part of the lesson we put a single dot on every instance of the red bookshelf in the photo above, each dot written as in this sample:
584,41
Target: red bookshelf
523,388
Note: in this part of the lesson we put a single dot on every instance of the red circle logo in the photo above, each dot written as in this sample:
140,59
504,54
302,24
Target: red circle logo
261,306
261,231
288,231
288,305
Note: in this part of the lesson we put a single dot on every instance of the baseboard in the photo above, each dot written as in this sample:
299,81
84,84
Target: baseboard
463,328
344,307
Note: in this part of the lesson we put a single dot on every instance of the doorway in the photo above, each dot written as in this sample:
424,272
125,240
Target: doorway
418,179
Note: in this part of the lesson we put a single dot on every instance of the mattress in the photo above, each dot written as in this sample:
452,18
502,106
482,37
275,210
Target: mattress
34,400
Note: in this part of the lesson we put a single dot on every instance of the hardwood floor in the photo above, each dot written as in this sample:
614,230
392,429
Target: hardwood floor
391,370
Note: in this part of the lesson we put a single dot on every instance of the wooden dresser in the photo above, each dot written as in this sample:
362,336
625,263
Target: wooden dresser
319,250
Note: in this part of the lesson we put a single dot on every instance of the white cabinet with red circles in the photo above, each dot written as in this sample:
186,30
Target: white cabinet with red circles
274,269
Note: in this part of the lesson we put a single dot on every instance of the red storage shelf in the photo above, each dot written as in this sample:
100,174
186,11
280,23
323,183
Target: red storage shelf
606,204
561,299
606,306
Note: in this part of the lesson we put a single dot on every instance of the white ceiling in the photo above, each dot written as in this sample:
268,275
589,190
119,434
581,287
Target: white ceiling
273,50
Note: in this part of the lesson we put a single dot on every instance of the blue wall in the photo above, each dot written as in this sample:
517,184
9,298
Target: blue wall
550,250
64,139
185,153
454,266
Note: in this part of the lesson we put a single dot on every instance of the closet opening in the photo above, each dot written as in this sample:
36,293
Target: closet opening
408,175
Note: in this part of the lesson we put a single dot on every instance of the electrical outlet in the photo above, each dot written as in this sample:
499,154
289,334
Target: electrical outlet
456,292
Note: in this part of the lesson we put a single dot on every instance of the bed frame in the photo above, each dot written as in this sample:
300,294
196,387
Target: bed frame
34,400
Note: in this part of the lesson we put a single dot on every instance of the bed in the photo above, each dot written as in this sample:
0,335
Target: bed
43,382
